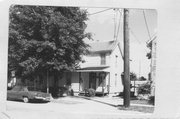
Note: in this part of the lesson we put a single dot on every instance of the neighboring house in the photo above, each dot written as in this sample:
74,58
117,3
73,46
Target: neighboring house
153,45
100,70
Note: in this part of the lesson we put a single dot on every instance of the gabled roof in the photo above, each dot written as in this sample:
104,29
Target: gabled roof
102,46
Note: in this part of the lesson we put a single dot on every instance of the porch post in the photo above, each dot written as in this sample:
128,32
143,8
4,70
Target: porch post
102,78
103,82
109,83
79,81
47,81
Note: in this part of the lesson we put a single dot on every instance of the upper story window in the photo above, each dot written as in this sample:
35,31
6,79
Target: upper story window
115,80
103,59
116,60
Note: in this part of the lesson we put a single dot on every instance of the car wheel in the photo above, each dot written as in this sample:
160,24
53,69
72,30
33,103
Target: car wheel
25,99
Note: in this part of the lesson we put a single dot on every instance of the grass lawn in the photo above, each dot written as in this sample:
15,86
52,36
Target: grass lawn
146,109
138,108
145,102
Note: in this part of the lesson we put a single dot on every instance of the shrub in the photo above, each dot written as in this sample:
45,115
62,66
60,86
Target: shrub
133,76
91,92
144,89
142,78
71,92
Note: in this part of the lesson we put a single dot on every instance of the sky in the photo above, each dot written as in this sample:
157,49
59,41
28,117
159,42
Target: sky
102,26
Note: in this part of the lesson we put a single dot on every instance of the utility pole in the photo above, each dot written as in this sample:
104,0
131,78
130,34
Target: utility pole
126,60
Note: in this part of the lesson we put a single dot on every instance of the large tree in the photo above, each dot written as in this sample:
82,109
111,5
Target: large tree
46,38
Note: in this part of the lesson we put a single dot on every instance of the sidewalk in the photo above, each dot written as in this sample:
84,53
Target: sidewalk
118,102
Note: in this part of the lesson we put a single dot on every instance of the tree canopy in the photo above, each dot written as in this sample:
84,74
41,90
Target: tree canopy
45,38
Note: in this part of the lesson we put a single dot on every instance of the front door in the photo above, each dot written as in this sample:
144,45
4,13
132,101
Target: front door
92,80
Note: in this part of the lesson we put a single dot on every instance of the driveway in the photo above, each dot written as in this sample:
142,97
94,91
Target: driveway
67,108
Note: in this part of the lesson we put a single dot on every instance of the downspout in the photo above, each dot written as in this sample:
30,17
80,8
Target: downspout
109,83
79,81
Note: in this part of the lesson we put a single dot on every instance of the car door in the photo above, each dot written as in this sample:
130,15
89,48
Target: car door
13,94
23,92
19,93
10,94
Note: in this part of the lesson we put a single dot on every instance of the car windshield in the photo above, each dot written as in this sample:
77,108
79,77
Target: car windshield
25,88
16,88
31,88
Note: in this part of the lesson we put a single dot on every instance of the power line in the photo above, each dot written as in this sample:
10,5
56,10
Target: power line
146,24
134,36
119,24
115,22
100,11
116,30
137,39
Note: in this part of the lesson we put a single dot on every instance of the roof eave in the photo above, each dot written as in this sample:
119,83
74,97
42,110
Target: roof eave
99,52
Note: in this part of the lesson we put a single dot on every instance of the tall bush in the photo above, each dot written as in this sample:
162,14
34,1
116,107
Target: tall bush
144,89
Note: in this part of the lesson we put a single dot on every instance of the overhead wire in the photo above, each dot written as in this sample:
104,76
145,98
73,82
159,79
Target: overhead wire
100,11
134,36
120,15
116,29
116,32
115,23
131,31
146,24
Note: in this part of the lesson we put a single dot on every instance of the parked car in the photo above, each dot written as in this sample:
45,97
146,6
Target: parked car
22,93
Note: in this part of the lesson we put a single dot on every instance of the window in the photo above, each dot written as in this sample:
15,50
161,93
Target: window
115,80
116,60
103,59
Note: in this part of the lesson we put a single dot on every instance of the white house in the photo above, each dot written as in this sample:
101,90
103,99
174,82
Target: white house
100,70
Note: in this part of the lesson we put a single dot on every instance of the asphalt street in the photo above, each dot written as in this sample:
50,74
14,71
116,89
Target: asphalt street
68,108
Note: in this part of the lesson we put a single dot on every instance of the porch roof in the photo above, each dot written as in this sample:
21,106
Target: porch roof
93,69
